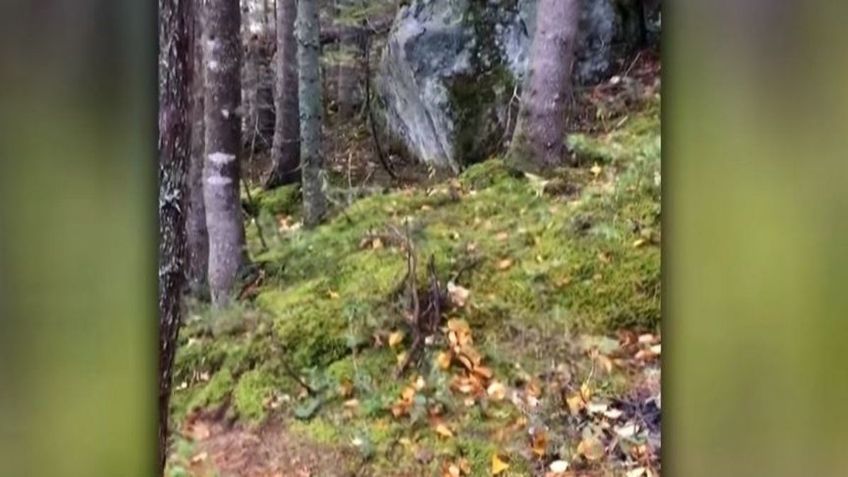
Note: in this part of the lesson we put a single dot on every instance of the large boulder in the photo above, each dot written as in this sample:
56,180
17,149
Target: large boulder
449,73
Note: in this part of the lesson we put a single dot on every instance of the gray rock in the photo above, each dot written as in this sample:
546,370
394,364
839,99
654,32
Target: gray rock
450,70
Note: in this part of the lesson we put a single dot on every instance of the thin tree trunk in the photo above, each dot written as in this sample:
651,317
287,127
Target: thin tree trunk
174,81
222,140
198,237
347,78
285,153
538,143
308,30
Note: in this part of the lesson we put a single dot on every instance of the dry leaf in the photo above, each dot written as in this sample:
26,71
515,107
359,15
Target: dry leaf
483,372
539,443
458,295
199,458
443,431
596,408
558,466
401,358
638,243
443,360
591,448
504,264
396,338
496,391
333,295
498,465
420,383
596,170
627,431
637,472
501,236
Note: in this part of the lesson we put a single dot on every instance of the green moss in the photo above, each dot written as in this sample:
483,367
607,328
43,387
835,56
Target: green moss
215,392
249,395
281,200
318,430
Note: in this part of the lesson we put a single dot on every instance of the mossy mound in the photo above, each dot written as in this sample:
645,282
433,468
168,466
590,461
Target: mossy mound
541,263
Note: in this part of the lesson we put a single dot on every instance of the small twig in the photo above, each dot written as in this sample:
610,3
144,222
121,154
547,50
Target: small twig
370,114
290,373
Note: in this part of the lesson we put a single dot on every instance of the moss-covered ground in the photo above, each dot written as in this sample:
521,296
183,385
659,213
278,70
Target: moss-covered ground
546,260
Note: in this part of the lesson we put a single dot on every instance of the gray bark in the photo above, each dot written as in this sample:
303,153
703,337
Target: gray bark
198,237
174,80
539,140
221,48
285,153
347,74
308,39
258,95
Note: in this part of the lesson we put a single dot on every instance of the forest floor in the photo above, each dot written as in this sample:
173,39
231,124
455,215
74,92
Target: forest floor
545,355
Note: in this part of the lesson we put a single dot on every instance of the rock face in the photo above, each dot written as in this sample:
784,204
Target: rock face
449,74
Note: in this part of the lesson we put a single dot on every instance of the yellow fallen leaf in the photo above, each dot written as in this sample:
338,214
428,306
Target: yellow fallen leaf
498,465
638,243
596,170
443,360
401,358
585,392
575,403
483,372
396,338
333,295
443,431
504,264
591,448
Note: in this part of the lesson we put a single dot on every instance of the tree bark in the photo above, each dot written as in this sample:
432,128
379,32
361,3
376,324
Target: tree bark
174,81
221,49
347,77
538,143
308,36
285,153
198,237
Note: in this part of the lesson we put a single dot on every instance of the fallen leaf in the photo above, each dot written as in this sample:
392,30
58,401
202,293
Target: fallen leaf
401,358
504,264
596,408
443,360
496,391
483,372
646,338
627,431
656,349
637,472
333,295
351,403
498,465
596,170
199,458
558,466
591,448
613,414
443,431
539,443
501,236
638,243
458,295
396,338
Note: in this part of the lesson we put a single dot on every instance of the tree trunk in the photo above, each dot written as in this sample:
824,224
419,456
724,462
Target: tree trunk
174,81
347,79
308,30
221,49
285,153
198,237
538,143
259,126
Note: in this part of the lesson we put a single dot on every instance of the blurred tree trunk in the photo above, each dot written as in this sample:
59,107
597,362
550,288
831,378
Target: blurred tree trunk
174,81
198,237
259,126
347,79
538,142
221,49
308,33
285,153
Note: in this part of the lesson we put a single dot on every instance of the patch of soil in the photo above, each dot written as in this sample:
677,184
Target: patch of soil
269,451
